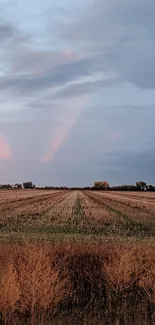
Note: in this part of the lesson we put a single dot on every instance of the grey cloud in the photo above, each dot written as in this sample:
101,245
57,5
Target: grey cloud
122,31
58,75
32,69
36,61
136,166
103,130
137,12
118,169
107,36
112,41
6,31
125,167
11,36
86,87
89,152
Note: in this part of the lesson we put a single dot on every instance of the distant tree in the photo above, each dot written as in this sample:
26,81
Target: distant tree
5,186
101,185
150,188
87,188
17,185
128,187
124,187
64,188
141,186
28,185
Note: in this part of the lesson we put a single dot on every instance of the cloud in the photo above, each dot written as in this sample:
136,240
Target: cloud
7,31
114,136
56,76
123,33
87,85
31,68
5,149
30,61
63,128
77,94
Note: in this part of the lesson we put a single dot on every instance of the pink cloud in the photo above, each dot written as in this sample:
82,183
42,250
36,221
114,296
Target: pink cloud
114,136
69,117
55,144
5,149
68,54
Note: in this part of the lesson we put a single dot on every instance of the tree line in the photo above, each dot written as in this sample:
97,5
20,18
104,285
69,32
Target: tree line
139,186
97,186
18,186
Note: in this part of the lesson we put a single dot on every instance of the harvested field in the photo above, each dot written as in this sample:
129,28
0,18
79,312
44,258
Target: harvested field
76,215
86,257
135,217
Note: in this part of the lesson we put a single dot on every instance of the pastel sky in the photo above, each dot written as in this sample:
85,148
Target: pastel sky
77,91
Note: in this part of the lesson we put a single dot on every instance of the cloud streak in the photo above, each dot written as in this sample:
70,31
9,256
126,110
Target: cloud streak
68,119
5,149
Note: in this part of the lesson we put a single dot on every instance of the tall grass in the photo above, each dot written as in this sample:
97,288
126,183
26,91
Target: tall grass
81,284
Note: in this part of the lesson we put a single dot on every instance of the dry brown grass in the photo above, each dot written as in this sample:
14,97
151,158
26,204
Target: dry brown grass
29,284
41,287
105,281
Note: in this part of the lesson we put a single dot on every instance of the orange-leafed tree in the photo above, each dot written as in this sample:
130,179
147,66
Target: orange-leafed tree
101,185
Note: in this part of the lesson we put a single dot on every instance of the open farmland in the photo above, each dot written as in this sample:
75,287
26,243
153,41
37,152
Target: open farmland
86,257
76,215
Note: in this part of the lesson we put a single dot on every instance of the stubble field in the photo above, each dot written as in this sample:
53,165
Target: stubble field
76,215
77,257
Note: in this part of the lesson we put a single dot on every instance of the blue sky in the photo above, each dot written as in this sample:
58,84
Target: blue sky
77,91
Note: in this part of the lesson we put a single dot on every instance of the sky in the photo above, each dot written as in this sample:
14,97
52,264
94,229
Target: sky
77,91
